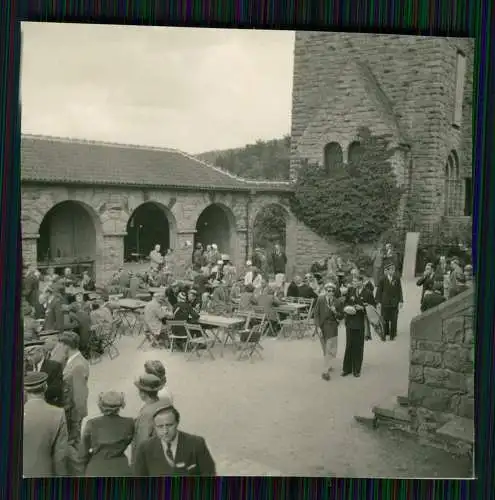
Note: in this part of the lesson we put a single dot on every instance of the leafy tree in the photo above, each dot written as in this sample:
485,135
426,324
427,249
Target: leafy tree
355,203
269,227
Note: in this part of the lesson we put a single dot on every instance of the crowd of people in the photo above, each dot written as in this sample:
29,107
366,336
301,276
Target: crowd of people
57,368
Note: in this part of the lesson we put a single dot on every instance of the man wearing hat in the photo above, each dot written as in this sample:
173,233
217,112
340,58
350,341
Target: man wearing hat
44,432
355,300
54,316
389,299
38,360
156,311
76,374
171,452
327,315
148,387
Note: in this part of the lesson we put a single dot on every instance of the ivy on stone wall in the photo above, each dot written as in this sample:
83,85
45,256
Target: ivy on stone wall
269,227
355,203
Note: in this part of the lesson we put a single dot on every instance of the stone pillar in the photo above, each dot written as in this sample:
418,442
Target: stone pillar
112,257
183,252
240,257
29,250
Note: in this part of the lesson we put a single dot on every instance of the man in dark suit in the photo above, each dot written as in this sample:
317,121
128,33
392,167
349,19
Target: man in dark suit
354,301
44,432
305,290
54,316
39,361
172,452
390,299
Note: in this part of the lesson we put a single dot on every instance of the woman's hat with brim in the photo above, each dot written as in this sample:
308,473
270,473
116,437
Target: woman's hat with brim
34,381
111,400
148,383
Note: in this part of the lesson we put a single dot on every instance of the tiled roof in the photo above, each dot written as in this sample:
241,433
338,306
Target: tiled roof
73,161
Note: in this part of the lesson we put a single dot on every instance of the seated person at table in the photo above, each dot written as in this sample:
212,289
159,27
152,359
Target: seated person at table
54,316
206,302
194,299
305,289
236,290
293,289
156,311
200,282
219,298
184,312
229,273
162,278
87,282
246,299
171,292
268,302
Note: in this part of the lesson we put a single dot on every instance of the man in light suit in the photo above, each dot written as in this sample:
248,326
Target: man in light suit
54,316
45,431
172,452
75,396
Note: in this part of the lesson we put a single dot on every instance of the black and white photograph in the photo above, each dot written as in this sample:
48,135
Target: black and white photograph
246,253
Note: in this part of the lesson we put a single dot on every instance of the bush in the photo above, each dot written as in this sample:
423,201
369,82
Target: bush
356,203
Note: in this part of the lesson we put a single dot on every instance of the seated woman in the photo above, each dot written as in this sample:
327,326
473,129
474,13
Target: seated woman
219,298
106,438
246,299
267,302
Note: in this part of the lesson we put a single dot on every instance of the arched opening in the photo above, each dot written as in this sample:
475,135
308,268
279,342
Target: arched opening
68,237
354,152
454,198
333,157
270,227
150,224
216,224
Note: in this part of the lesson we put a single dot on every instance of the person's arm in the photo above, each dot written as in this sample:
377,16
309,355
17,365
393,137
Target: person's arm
60,446
140,466
421,280
59,317
379,292
206,464
401,296
80,390
84,450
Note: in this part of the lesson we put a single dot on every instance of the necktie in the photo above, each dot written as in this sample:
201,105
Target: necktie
169,453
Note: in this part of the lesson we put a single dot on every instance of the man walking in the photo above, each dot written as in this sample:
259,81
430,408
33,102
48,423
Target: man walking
327,315
76,374
355,300
45,432
172,452
390,299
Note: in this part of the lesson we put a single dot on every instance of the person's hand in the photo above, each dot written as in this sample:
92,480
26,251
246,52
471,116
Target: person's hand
358,307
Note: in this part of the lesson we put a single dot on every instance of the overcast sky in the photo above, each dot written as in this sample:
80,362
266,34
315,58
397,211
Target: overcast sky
191,89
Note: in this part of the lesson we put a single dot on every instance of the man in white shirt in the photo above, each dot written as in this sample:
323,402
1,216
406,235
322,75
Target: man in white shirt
155,311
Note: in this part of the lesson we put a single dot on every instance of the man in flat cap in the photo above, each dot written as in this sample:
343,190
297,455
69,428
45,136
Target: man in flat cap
76,374
171,452
44,433
390,299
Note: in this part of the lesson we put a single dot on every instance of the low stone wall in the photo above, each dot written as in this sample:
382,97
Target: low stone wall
441,372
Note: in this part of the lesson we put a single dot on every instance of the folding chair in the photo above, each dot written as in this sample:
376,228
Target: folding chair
259,311
287,326
108,340
149,338
249,342
173,336
303,322
94,344
198,341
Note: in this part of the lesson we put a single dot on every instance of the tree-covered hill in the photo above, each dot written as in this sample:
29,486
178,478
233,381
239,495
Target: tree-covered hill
264,160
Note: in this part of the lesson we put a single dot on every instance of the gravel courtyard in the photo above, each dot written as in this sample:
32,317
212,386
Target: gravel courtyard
277,417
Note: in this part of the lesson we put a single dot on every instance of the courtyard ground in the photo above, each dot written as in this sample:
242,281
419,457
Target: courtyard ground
276,416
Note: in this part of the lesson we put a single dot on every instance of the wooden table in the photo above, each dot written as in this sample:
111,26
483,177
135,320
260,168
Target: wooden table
290,308
156,289
48,333
132,306
223,323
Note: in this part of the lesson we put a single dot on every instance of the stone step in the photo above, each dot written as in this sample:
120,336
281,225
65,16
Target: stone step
394,413
458,430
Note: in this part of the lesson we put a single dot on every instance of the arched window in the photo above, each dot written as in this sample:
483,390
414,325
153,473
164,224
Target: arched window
454,199
333,156
354,152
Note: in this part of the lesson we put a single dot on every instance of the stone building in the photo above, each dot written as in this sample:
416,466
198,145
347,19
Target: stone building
91,205
417,90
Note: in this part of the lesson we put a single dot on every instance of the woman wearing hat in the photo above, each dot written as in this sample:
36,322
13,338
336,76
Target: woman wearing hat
148,387
156,368
106,438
